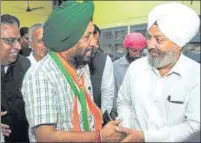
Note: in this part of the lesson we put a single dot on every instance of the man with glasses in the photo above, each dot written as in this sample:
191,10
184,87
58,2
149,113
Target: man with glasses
14,125
134,44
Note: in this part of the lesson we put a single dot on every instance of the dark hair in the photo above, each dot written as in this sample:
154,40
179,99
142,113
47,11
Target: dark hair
23,31
155,23
96,29
10,19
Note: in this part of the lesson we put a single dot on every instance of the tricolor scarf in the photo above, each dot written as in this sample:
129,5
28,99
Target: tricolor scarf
81,94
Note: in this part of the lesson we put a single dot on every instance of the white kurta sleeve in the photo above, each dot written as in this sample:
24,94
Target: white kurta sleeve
107,86
124,101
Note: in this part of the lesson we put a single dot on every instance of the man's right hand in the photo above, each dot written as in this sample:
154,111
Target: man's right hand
109,133
5,128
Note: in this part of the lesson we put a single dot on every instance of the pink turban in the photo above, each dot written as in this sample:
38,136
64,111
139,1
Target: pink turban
135,40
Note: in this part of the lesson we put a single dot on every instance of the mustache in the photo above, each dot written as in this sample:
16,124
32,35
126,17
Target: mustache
92,50
153,50
88,49
156,51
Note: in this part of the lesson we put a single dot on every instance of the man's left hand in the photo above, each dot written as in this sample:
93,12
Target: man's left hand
131,134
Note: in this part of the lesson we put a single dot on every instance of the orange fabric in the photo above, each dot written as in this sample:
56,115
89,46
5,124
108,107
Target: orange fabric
93,108
76,125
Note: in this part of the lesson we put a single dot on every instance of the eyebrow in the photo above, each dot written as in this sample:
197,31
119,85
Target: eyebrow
91,32
88,33
156,36
11,37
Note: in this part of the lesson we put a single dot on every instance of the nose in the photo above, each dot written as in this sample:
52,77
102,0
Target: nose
151,43
93,42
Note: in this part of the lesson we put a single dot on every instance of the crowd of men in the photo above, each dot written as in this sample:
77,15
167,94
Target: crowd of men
57,85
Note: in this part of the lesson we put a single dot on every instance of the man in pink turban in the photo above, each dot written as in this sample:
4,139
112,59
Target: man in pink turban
134,44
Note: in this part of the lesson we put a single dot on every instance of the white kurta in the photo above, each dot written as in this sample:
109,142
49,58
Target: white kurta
165,108
107,86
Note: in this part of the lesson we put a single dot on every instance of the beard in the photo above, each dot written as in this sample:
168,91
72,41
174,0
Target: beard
130,58
158,59
81,58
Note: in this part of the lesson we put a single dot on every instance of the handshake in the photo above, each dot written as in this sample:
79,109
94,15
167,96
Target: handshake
113,132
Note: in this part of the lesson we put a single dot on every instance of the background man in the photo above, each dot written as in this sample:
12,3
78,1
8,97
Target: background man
25,51
134,44
39,50
101,72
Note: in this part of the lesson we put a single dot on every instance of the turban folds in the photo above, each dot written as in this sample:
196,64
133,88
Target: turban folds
135,40
66,25
175,20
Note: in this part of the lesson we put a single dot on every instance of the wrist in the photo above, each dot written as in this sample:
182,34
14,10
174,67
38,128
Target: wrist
98,136
142,137
101,135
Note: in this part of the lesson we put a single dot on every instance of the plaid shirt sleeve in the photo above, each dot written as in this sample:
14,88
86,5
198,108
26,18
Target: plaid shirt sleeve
38,94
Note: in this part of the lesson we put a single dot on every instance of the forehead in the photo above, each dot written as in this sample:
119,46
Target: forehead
38,32
25,35
90,28
8,30
155,31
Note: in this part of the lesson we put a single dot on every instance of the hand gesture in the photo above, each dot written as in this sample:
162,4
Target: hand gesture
131,134
109,133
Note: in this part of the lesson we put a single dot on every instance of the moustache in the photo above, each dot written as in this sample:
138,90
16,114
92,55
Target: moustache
92,50
155,52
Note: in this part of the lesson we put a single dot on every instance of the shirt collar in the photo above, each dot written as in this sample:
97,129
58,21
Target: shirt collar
10,65
124,61
32,59
178,68
6,68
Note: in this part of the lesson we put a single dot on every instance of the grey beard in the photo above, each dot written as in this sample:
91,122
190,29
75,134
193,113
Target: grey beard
163,59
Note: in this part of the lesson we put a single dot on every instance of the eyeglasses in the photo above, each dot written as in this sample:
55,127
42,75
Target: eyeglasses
10,41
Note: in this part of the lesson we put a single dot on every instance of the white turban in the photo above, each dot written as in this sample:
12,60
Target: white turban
176,21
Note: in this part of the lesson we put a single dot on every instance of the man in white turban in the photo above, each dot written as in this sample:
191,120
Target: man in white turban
159,99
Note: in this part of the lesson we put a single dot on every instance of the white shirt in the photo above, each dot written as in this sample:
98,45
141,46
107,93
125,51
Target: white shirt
6,68
32,59
2,138
143,100
107,86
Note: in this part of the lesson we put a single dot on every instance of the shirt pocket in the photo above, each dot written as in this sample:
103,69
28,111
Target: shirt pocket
175,108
